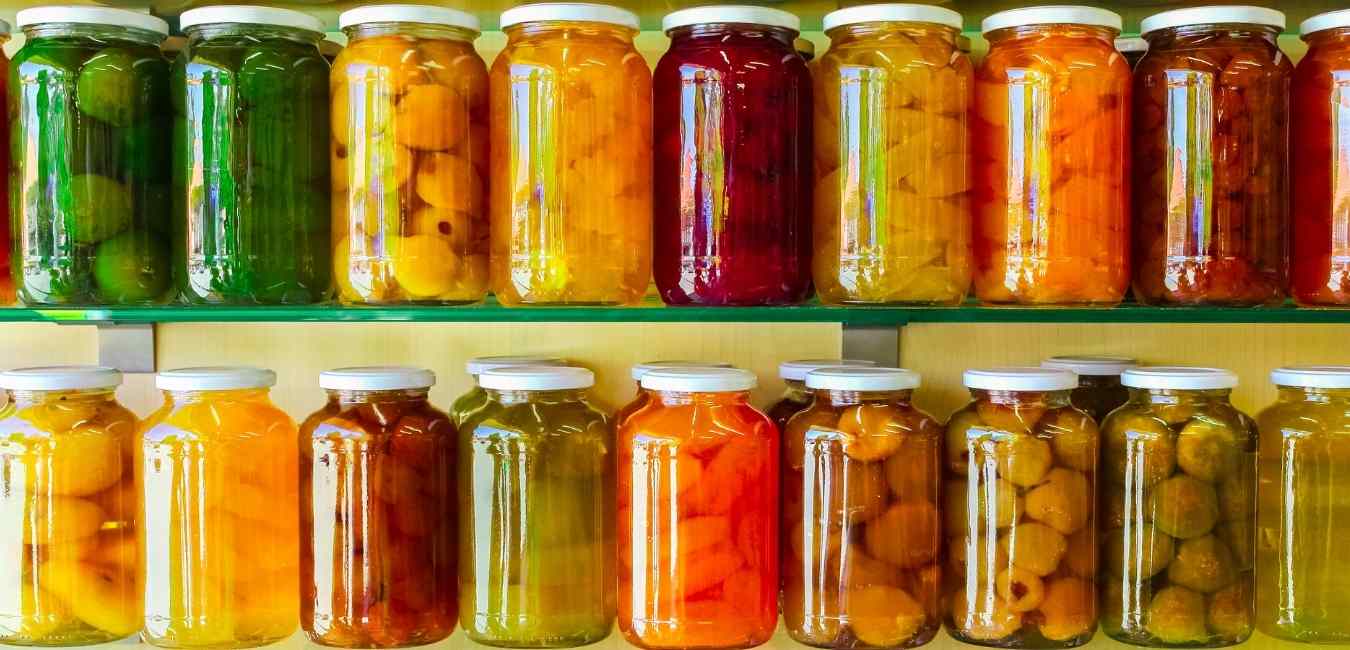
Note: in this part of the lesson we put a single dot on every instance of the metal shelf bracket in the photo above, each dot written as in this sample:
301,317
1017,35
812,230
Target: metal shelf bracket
129,347
877,343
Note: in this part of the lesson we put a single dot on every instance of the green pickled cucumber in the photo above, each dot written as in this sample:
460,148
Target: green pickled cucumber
100,207
131,267
120,87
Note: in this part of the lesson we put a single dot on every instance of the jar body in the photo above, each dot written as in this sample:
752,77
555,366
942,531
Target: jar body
1018,507
860,522
571,175
219,477
90,179
536,521
1302,591
795,399
1179,520
892,166
1051,200
1211,179
377,521
409,166
698,523
7,295
1098,395
732,117
251,168
68,533
1320,275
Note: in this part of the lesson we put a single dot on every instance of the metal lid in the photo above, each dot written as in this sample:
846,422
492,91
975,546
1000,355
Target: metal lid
1091,366
643,368
1213,15
796,370
1312,376
477,365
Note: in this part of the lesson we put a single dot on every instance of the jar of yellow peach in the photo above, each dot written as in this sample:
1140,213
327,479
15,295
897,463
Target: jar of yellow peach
409,157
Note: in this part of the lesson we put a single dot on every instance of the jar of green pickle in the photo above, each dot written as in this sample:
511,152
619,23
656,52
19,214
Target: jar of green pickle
796,396
251,168
536,522
89,182
475,398
1179,511
1303,584
1099,391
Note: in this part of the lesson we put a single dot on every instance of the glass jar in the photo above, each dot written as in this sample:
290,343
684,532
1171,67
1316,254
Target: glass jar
698,514
1211,177
1133,48
377,512
70,566
1051,122
732,102
571,177
536,531
1018,503
409,157
251,161
861,474
89,182
796,396
1179,511
7,295
475,398
1099,391
641,398
892,164
221,489
1303,576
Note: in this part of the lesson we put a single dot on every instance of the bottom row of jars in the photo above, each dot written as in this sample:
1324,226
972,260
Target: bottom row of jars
533,519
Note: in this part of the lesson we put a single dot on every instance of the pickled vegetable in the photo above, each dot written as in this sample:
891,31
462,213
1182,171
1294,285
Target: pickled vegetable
1321,258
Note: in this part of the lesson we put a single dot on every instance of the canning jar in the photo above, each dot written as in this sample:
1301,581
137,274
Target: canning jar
892,157
1211,166
641,398
536,515
1133,48
1179,511
220,487
474,398
409,157
861,474
1018,504
251,168
70,566
88,102
377,512
7,295
698,514
732,103
570,203
1099,391
1303,576
796,396
1051,123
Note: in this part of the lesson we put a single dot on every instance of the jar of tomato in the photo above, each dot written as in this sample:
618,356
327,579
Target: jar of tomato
796,396
698,514
732,102
1051,159
570,203
892,161
641,399
1211,179
474,398
1099,391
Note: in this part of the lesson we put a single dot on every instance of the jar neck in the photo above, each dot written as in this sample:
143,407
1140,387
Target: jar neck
199,396
854,397
619,34
1047,399
1009,35
93,32
1184,35
1313,395
509,397
674,398
200,33
1325,37
796,390
1174,397
845,34
344,398
409,30
722,32
28,398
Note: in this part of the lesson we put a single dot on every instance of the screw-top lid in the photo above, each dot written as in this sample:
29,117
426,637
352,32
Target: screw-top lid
796,370
748,14
699,380
892,13
862,379
421,14
5,29
60,378
536,378
1091,366
1017,378
477,365
91,16
215,378
569,12
1312,376
1131,44
643,368
1214,15
249,15
1052,15
1328,20
377,378
1179,378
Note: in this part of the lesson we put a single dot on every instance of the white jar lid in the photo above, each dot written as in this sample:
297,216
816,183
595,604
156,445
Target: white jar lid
1179,378
60,378
1328,20
643,368
249,15
1214,15
1017,378
796,370
4,27
1131,44
536,378
1091,366
92,16
700,380
1052,15
478,365
1312,376
569,12
215,378
421,14
892,13
377,378
862,379
747,14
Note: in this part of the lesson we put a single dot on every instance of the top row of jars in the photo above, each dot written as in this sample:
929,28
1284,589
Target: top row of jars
410,174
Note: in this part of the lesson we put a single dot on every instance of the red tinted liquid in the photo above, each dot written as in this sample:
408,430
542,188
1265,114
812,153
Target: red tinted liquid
1321,257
